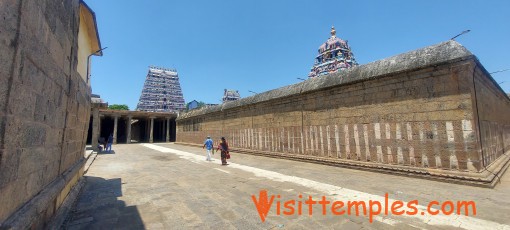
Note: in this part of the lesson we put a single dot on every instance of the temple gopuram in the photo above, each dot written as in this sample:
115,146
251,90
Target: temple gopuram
161,91
334,55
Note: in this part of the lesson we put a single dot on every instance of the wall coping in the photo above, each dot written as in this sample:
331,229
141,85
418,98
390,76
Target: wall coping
444,52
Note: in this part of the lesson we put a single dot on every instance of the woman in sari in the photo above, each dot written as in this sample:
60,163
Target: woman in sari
223,147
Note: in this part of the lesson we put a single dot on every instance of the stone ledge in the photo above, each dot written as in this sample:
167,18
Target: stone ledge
486,178
31,211
62,213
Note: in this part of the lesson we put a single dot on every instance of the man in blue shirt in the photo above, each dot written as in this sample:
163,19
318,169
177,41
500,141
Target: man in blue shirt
208,144
110,142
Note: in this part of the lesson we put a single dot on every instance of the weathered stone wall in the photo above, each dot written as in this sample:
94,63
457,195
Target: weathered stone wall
493,116
411,112
44,108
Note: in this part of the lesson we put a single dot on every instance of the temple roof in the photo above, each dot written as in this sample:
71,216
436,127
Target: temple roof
89,18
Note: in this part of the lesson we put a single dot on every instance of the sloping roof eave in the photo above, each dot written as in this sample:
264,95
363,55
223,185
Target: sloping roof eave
93,14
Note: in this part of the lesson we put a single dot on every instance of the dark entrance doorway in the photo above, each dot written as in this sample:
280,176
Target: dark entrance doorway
89,132
159,132
106,127
139,130
172,130
121,130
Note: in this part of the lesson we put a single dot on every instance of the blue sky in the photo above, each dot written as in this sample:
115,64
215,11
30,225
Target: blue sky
266,44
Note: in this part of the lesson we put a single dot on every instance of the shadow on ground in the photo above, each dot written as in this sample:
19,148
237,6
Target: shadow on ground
106,152
98,207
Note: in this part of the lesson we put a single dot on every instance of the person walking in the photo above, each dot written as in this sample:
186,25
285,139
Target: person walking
110,142
223,147
209,146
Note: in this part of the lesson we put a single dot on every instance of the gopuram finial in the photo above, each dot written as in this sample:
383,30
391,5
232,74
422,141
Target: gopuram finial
333,31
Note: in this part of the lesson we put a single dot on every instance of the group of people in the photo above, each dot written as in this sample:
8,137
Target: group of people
222,146
106,144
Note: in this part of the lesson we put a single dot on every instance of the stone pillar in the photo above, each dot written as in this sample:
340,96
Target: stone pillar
168,130
95,128
115,121
151,136
101,116
128,130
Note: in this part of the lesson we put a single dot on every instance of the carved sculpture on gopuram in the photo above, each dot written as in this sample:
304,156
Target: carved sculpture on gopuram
334,55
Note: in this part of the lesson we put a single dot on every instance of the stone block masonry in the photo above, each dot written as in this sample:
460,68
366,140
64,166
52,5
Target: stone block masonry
434,112
44,109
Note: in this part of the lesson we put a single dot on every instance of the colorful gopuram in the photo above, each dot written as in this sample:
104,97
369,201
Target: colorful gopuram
161,91
334,55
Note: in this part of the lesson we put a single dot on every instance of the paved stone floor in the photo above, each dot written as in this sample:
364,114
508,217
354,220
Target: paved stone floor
168,186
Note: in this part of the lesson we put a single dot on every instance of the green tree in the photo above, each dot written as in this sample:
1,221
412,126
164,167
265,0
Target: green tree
118,107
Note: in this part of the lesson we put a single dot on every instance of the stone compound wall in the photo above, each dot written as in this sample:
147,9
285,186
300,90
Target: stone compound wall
493,117
44,109
412,113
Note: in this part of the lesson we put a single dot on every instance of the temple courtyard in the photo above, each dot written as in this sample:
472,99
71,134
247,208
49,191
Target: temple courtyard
170,186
